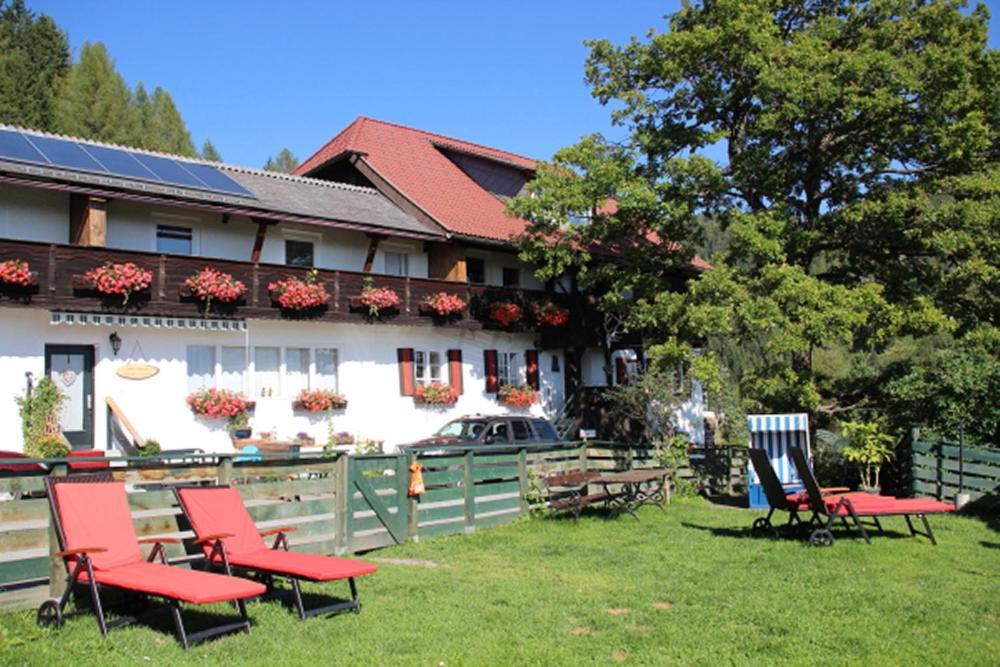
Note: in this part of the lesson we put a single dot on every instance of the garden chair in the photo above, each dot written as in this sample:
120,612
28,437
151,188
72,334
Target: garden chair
231,541
99,547
778,496
851,508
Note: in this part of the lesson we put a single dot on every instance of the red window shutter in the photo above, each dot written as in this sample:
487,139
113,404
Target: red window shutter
621,373
490,363
406,379
531,361
455,370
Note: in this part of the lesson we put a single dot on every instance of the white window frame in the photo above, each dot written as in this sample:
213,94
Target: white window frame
177,220
305,237
510,368
404,254
425,378
249,384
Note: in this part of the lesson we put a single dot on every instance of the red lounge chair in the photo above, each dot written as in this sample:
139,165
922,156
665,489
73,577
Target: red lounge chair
778,497
855,506
100,549
230,539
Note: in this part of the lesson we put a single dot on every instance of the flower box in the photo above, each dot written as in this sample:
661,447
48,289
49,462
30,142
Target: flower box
376,301
505,313
435,393
319,400
442,304
299,294
219,403
521,396
116,280
15,274
213,286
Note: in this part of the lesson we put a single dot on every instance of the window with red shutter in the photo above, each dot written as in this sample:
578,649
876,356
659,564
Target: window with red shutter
407,383
455,370
490,366
531,361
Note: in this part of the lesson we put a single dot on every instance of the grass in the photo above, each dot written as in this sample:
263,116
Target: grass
686,587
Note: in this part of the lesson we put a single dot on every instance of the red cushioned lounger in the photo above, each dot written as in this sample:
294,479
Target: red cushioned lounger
855,506
99,547
778,498
231,541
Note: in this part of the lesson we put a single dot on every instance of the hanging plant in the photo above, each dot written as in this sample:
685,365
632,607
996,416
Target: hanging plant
377,299
209,284
435,393
15,273
298,293
218,403
320,400
506,313
119,279
442,304
549,314
517,396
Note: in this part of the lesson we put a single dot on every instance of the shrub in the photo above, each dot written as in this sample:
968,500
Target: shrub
521,396
210,284
377,299
443,304
869,447
321,400
15,272
151,448
506,313
299,293
39,412
47,446
435,393
119,279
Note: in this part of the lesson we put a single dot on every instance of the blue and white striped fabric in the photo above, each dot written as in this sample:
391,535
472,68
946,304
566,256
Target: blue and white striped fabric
776,433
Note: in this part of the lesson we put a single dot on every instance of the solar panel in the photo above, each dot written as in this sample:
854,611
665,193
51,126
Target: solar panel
69,154
13,145
65,153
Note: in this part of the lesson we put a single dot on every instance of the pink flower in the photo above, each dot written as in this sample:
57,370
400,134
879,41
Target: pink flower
299,294
15,272
123,279
377,299
210,284
443,303
218,403
320,400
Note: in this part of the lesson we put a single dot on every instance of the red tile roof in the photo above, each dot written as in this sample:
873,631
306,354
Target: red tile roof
412,161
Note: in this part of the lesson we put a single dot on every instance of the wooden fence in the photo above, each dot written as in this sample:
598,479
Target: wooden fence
337,504
936,471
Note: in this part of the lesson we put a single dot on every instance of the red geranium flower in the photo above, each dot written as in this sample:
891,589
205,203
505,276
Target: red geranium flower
506,313
210,284
443,303
123,279
517,396
321,400
15,272
299,294
435,393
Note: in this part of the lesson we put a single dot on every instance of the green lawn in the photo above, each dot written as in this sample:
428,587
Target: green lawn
687,587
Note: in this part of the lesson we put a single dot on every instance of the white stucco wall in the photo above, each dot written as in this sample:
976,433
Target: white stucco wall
368,376
34,215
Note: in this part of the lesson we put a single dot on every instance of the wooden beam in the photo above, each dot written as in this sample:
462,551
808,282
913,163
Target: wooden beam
394,195
88,220
258,243
372,248
123,421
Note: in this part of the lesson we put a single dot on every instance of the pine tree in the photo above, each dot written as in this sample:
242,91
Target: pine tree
34,58
95,102
209,153
284,162
163,128
141,112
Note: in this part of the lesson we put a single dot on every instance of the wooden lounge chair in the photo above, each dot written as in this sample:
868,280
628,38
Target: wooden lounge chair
856,506
231,541
98,544
778,496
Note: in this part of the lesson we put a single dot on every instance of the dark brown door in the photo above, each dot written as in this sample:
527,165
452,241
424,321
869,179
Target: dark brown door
71,368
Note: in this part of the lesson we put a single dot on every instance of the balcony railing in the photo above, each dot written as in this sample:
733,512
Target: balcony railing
57,272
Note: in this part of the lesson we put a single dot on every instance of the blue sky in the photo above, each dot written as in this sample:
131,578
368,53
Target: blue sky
256,76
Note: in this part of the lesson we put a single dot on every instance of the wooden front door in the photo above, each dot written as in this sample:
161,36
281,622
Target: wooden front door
71,368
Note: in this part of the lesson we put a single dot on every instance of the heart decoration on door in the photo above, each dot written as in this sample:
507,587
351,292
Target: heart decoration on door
68,377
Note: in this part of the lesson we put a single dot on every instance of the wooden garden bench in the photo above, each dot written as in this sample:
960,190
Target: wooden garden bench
568,491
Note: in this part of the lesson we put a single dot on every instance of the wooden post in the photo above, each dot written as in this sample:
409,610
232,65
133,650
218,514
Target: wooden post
522,478
470,492
342,498
583,457
57,571
88,220
258,242
225,469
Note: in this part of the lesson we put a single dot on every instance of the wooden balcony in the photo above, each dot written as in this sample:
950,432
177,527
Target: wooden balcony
59,286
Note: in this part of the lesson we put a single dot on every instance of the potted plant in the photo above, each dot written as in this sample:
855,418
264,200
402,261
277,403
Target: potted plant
39,412
122,280
547,313
221,403
869,447
15,273
505,313
239,426
517,396
435,393
211,284
377,299
442,304
319,400
299,294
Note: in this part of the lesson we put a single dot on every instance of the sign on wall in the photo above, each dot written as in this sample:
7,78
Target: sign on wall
137,371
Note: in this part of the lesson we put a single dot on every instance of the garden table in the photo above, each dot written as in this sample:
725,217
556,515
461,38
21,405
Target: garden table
638,488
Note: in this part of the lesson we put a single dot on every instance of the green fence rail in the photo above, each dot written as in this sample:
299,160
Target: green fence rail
936,471
337,503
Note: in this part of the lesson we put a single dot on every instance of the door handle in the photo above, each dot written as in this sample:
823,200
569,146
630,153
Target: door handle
90,402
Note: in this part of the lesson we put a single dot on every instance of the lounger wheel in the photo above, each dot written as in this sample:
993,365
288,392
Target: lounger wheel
760,525
821,538
49,614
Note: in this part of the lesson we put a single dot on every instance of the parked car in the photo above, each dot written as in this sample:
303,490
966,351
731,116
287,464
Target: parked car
492,430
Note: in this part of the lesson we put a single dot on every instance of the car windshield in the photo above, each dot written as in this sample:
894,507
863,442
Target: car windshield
465,430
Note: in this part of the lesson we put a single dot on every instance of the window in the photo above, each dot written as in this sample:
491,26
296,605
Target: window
299,253
522,432
233,361
511,277
326,369
475,270
555,363
266,372
544,430
174,240
426,367
296,370
200,367
397,263
507,369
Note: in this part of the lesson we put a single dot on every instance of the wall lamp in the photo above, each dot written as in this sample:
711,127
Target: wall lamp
116,342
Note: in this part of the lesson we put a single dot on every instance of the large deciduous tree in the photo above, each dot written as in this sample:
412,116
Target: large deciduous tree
847,148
